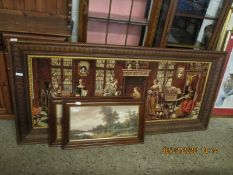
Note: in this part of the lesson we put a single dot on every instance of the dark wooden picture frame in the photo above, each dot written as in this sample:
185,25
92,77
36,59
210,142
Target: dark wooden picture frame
22,51
131,131
55,114
55,121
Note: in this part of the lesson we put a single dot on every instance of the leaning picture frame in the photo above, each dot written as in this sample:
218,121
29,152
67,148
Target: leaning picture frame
223,106
88,123
55,115
55,121
130,73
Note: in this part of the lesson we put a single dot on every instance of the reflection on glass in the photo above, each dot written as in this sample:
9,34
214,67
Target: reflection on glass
115,19
98,8
120,9
96,32
191,31
134,35
117,33
205,8
139,9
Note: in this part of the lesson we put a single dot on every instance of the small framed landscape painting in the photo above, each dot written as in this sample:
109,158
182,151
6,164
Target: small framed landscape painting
102,123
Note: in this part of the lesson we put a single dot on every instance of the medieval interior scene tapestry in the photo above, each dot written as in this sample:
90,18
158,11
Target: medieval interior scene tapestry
170,89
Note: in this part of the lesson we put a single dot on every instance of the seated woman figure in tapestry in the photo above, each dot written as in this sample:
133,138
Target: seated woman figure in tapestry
187,105
152,97
80,89
111,88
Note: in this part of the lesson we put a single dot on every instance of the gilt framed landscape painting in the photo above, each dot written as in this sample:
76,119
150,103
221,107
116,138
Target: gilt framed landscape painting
177,87
102,123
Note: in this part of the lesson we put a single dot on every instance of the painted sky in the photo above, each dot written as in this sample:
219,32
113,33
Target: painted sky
87,117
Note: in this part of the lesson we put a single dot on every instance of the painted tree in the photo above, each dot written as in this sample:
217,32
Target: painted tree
109,116
132,119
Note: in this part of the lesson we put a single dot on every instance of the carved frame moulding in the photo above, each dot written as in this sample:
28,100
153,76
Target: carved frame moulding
42,69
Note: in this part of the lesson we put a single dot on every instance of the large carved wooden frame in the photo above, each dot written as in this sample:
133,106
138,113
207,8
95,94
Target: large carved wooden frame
21,50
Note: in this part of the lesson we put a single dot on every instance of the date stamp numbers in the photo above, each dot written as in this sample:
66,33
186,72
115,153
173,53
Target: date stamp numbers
189,150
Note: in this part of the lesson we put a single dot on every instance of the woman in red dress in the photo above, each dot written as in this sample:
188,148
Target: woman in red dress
186,106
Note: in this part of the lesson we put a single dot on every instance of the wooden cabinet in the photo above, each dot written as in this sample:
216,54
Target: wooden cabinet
36,7
191,24
5,98
36,17
6,110
163,23
127,23
28,20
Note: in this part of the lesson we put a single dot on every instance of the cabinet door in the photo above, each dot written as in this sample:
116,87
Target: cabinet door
5,99
123,22
193,24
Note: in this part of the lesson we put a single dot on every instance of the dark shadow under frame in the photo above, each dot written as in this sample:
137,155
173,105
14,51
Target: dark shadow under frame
21,50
